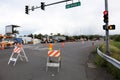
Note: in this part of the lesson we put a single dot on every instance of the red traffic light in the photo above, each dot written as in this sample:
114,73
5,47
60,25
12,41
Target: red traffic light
105,16
105,12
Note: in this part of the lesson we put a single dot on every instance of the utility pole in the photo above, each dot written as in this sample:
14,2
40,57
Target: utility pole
107,30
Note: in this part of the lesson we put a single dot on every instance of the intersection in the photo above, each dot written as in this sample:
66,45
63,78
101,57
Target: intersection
76,64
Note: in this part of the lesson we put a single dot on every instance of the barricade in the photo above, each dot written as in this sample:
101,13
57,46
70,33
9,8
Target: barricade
18,52
53,59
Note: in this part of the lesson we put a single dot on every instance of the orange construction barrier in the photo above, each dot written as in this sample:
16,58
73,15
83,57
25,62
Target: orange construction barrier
17,51
53,59
54,53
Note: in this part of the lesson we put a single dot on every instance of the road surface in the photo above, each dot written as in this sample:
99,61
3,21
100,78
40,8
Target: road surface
76,63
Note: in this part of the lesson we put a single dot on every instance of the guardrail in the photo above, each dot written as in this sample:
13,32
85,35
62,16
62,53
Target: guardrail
109,59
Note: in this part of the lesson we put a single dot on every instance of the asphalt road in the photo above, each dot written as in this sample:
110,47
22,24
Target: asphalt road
76,64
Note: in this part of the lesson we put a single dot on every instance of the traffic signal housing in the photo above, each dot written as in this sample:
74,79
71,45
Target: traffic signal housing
104,27
27,9
42,5
111,27
105,16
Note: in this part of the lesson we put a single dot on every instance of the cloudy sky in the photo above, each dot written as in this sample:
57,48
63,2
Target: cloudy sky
81,20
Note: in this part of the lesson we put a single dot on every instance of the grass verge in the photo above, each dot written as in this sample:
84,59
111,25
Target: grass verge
115,53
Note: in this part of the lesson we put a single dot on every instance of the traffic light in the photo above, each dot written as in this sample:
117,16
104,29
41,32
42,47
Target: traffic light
105,16
42,5
104,27
26,9
111,27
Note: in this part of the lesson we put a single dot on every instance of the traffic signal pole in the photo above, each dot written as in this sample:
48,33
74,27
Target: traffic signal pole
58,2
42,6
107,30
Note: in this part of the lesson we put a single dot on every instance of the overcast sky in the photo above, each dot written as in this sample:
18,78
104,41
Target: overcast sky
82,20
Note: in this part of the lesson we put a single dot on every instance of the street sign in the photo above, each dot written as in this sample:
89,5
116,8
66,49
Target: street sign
73,5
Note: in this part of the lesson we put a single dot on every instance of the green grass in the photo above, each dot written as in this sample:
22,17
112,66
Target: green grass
114,49
116,44
115,53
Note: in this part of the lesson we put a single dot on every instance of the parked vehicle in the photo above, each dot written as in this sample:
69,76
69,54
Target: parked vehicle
59,38
26,40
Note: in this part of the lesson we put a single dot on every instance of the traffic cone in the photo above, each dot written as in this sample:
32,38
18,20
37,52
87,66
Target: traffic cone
63,44
2,46
50,47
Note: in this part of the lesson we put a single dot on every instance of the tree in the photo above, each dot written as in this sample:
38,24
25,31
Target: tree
30,35
115,37
39,36
58,34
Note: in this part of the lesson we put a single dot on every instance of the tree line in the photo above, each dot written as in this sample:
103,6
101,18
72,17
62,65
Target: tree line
115,37
76,37
68,38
